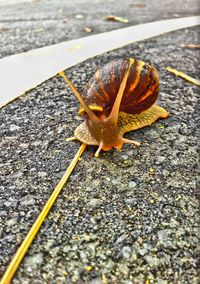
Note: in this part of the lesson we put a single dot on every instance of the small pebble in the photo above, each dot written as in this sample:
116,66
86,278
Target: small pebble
14,127
93,202
132,184
42,174
33,262
24,145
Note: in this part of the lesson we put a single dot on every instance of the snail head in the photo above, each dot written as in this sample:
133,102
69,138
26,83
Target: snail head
101,131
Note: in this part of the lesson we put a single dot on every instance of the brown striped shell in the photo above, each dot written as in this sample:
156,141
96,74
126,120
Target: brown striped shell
141,90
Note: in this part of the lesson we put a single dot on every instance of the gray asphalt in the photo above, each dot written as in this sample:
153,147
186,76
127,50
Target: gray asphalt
129,216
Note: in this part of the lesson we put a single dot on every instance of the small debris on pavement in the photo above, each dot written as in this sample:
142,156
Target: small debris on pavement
191,45
79,17
87,29
112,18
183,75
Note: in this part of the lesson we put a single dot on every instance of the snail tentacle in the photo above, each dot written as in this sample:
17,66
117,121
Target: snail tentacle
98,150
115,109
131,142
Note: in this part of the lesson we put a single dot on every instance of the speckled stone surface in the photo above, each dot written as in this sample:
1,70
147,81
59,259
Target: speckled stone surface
127,217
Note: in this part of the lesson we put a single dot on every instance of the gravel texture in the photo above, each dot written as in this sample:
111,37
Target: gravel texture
26,25
127,217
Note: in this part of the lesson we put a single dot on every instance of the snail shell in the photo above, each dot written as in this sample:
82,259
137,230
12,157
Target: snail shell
142,87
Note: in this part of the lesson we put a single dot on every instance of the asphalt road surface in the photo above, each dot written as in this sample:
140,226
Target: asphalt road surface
127,217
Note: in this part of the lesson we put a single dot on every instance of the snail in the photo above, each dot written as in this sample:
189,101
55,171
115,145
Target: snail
119,98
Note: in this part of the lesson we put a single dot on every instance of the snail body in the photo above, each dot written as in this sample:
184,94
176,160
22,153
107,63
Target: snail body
119,98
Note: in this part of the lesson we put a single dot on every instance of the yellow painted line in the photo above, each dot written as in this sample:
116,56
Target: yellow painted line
15,262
